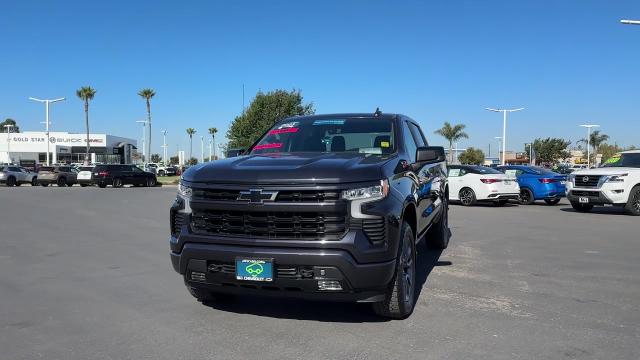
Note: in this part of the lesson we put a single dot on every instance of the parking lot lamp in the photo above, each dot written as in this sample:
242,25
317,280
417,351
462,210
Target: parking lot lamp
589,126
530,145
9,127
499,138
504,128
164,147
201,149
46,121
630,22
210,150
144,138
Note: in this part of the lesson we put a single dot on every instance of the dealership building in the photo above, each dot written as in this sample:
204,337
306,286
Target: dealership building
31,148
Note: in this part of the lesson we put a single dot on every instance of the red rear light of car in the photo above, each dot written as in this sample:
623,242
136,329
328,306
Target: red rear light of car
490,181
103,173
547,180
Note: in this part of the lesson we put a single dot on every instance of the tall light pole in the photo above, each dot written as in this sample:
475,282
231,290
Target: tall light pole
504,128
589,126
9,127
144,138
201,149
630,22
46,121
530,152
210,150
499,138
164,147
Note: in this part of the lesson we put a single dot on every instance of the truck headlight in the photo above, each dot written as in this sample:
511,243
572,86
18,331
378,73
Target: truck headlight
185,191
617,178
369,193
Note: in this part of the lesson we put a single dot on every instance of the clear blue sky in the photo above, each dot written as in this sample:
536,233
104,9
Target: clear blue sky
567,62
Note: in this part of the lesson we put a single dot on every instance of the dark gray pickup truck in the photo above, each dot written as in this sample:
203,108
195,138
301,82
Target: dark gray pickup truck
326,207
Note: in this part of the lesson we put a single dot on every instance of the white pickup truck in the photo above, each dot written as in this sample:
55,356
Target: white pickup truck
616,182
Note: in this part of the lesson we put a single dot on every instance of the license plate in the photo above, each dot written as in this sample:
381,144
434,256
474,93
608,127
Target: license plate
583,200
507,182
563,182
254,269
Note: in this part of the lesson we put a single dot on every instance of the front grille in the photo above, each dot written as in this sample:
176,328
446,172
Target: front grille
375,229
270,225
282,271
586,181
177,220
289,196
585,193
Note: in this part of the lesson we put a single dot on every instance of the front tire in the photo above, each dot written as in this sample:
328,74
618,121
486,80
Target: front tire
102,185
62,182
151,182
84,185
44,184
117,183
400,298
633,203
581,207
11,181
526,197
34,181
467,197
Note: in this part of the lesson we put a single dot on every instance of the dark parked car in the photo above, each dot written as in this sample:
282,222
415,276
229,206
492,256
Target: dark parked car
326,207
61,175
120,175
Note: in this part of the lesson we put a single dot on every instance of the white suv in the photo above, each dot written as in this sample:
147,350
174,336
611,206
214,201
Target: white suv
617,182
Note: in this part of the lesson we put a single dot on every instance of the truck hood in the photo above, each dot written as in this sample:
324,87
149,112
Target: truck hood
606,171
291,168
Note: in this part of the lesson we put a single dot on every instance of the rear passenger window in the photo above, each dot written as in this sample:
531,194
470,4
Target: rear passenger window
417,135
410,142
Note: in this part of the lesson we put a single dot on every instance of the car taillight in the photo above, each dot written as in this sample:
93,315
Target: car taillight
490,181
547,180
103,173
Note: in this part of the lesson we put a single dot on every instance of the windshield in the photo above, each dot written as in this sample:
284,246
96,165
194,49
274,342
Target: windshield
359,135
623,160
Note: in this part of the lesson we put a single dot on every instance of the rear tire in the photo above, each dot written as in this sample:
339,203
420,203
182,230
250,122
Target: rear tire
633,203
161,173
526,197
44,184
11,181
102,185
62,182
467,197
581,207
400,298
84,185
552,201
34,181
117,183
438,235
151,182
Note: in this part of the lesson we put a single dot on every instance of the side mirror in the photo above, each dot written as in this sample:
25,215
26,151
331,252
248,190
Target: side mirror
430,154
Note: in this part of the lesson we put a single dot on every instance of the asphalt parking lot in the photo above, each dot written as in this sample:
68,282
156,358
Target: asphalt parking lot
85,274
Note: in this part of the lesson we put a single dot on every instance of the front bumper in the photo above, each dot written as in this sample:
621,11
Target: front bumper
296,273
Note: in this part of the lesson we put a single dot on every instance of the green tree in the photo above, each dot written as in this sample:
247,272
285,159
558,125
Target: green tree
147,94
264,111
472,156
191,132
192,161
174,160
595,140
9,121
452,134
212,132
550,150
86,94
155,158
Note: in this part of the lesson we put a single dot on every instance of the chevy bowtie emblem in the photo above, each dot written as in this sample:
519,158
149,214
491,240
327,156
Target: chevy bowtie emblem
585,179
257,196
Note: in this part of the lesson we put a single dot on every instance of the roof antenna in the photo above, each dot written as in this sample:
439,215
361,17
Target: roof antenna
378,112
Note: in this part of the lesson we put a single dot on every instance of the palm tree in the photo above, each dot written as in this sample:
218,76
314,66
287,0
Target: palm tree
191,132
212,132
452,134
595,140
147,94
86,94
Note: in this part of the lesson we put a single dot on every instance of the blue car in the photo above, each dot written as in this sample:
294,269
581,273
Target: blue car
537,183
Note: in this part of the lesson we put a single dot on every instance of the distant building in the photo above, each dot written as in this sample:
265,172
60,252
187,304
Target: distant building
64,147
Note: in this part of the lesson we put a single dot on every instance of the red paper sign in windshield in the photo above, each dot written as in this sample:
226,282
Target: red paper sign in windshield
283,131
268,146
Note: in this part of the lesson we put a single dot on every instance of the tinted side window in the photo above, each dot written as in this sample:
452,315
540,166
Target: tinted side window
14,169
409,142
64,169
417,135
